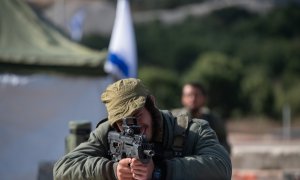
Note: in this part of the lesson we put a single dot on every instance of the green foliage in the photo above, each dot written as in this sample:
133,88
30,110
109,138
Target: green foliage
231,15
256,89
163,84
161,4
240,56
284,23
250,63
221,75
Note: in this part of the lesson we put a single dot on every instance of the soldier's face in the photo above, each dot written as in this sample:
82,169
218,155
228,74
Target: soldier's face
192,98
144,120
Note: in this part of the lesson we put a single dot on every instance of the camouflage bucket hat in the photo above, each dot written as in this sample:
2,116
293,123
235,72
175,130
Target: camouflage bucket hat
124,97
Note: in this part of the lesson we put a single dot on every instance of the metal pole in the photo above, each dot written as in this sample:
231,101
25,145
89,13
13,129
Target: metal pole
286,119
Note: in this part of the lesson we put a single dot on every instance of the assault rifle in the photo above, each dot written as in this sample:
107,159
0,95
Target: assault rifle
129,143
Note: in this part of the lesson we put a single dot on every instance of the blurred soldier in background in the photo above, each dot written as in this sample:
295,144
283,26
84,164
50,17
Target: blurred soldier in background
194,99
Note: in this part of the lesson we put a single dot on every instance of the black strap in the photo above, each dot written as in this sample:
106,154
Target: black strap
101,121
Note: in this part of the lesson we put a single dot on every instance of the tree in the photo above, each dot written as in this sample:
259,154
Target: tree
163,84
256,88
221,76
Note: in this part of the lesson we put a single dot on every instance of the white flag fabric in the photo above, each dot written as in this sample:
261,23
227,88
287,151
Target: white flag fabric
122,57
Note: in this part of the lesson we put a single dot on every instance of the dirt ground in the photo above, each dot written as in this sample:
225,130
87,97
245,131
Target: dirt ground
248,130
258,135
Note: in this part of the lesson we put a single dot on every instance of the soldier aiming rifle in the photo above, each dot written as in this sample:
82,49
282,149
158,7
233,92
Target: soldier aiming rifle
183,148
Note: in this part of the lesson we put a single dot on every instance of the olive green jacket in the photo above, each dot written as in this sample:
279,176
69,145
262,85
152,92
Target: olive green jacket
215,123
203,156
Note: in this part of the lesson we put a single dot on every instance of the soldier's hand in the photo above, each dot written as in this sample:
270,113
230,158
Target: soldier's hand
141,171
123,169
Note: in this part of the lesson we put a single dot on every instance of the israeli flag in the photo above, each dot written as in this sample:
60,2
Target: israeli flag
122,58
76,24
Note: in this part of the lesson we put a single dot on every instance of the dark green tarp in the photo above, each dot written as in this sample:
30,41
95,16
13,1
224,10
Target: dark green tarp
28,43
